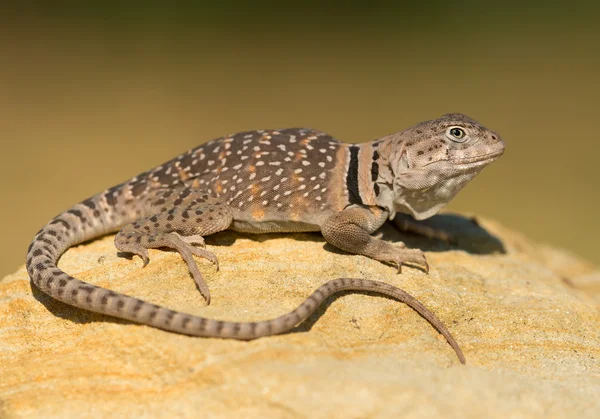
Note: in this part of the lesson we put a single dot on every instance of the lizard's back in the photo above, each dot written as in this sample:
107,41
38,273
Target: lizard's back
273,180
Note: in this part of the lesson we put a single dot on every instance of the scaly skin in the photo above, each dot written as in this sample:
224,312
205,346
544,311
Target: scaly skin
271,181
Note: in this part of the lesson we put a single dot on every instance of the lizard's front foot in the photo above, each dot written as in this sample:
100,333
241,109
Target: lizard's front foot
349,230
398,256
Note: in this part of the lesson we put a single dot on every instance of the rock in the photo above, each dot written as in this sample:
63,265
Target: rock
526,315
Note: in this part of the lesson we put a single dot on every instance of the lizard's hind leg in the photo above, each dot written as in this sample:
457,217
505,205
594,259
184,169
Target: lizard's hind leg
184,221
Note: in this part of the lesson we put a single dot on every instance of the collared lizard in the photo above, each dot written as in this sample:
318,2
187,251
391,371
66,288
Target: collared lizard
289,180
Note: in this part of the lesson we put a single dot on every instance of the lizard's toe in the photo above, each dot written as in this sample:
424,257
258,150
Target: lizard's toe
195,239
210,256
399,257
126,243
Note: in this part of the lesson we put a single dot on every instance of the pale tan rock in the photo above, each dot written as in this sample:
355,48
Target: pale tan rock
528,322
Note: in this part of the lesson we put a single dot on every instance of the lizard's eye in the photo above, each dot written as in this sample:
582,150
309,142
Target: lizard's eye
456,134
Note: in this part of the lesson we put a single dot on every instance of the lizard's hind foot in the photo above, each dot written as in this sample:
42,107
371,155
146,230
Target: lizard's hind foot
138,243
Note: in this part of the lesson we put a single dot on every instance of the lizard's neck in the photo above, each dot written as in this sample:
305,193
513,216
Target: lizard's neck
369,179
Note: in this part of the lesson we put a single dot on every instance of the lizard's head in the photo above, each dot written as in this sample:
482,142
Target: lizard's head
433,160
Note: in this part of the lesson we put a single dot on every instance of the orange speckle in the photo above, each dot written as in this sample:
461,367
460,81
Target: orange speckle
182,174
258,214
219,188
252,168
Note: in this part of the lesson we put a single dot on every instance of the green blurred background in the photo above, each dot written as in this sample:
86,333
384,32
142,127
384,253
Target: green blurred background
92,93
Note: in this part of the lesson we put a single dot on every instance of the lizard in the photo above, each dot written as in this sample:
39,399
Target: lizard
265,181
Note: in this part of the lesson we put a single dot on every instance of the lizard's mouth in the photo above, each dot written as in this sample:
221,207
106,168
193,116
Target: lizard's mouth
476,159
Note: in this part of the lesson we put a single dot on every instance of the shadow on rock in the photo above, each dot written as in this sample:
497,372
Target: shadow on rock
468,234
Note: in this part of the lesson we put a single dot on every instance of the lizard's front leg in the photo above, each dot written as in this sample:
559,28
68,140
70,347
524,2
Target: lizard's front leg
406,223
351,228
184,221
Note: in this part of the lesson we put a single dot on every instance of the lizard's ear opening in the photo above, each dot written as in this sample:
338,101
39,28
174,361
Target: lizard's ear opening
403,163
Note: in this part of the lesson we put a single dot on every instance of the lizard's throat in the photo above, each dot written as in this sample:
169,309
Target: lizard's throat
431,195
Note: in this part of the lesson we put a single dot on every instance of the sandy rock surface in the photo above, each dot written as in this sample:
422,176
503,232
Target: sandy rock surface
526,315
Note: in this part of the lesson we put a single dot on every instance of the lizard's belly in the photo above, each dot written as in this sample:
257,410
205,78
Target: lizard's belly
259,221
272,226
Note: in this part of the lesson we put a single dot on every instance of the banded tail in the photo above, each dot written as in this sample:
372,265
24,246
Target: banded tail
94,217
